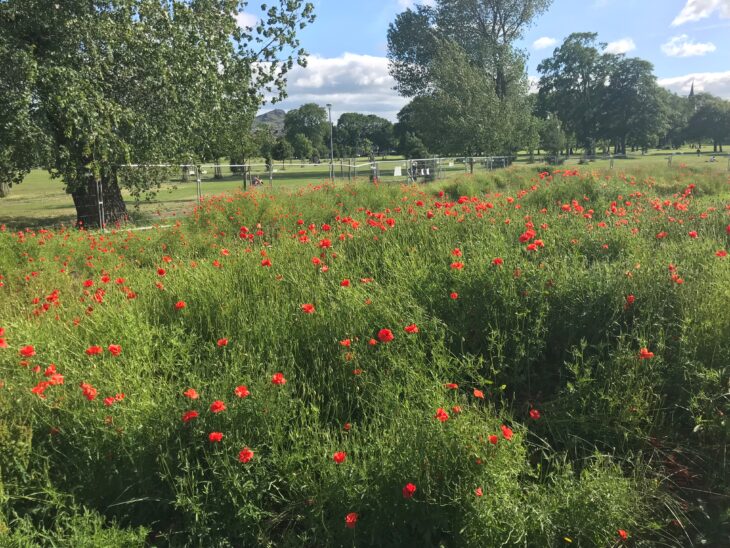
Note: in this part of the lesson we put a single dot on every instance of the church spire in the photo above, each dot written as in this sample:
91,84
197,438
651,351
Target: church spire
692,89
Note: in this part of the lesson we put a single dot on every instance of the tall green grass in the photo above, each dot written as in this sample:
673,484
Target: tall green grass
621,443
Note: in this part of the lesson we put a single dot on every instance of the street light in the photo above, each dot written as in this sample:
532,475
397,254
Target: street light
332,155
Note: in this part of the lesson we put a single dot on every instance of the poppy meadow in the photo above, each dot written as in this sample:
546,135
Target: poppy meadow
534,357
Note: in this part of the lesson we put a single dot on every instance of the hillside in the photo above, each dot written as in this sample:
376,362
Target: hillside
273,119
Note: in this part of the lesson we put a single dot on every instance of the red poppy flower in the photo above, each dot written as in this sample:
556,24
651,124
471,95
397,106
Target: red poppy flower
215,436
94,350
40,388
623,534
478,492
346,342
721,253
108,402
222,342
308,308
339,457
242,391
457,265
493,439
179,305
385,335
161,272
478,394
506,432
347,426
451,386
644,354
27,351
88,391
497,261
454,295
265,262
693,234
115,349
189,415
441,415
88,283
534,414
3,343
413,328
191,393
217,406
245,455
351,520
345,283
456,252
372,342
409,490
278,378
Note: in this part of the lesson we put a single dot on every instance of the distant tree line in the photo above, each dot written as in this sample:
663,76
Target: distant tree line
458,62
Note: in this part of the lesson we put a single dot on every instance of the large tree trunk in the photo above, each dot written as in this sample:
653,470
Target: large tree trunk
89,211
4,189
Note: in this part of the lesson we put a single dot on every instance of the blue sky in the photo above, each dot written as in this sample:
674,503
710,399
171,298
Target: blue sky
686,40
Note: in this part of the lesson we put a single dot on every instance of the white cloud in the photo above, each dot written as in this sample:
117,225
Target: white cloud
624,45
244,19
351,82
544,42
694,10
682,46
717,83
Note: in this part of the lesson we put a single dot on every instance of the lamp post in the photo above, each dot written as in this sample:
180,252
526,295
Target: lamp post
332,154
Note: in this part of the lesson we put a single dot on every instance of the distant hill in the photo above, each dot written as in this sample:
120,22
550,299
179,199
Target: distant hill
273,118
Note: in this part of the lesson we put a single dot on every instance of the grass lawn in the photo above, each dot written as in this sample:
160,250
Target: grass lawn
41,201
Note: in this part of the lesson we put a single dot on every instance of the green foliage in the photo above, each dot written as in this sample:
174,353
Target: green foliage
135,81
458,60
309,120
710,120
621,443
358,134
302,147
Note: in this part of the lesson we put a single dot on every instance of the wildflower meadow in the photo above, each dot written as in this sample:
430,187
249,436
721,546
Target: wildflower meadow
530,357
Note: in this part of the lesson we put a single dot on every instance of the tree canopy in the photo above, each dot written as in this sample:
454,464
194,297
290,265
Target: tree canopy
457,58
309,120
363,134
100,83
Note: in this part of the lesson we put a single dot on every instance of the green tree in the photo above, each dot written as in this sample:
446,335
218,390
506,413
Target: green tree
485,29
353,129
458,60
412,147
302,147
633,105
573,86
311,121
678,111
710,120
134,81
282,150
552,136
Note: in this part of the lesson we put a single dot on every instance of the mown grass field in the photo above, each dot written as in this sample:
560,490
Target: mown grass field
533,357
